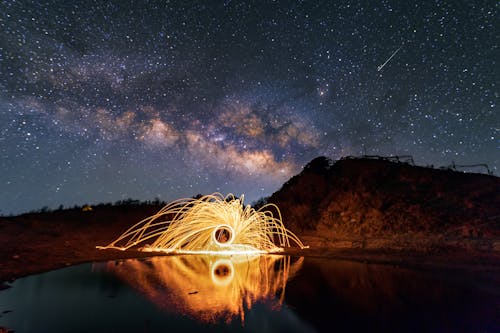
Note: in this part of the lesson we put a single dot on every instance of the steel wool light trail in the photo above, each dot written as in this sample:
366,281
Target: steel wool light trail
210,224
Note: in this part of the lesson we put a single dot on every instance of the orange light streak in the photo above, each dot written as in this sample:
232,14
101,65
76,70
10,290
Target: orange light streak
212,224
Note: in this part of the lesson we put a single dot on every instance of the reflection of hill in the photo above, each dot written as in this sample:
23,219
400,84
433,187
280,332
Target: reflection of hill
362,199
207,287
338,293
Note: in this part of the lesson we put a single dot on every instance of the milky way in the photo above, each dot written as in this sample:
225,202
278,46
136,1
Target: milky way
103,101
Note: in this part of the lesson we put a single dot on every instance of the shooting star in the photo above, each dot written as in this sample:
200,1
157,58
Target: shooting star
379,68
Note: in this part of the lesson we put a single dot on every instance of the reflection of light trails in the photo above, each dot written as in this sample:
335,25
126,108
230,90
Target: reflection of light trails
210,224
222,272
207,287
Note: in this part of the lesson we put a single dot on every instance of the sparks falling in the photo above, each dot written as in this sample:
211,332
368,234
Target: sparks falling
210,224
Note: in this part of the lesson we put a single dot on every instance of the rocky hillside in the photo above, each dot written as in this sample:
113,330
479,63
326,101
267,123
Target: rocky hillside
377,203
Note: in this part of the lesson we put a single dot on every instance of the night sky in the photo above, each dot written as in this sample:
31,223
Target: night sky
103,101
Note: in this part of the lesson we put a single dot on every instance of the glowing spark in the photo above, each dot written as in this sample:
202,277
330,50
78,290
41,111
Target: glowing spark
210,224
379,68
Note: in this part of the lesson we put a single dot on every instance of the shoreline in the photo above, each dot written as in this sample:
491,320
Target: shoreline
35,243
460,262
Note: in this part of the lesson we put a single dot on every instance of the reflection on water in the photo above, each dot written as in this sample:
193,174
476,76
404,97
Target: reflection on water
210,288
250,294
352,296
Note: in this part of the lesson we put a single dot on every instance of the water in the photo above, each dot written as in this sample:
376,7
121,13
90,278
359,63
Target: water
247,294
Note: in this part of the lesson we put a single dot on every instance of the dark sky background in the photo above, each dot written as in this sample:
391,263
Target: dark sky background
102,101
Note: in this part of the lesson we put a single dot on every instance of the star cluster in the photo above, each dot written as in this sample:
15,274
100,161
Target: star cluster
107,100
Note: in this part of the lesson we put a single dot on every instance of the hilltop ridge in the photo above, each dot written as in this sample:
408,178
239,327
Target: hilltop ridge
366,202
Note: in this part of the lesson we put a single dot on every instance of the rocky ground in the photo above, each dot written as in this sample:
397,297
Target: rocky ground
37,242
377,204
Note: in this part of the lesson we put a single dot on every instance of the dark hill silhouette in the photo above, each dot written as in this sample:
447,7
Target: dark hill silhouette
366,202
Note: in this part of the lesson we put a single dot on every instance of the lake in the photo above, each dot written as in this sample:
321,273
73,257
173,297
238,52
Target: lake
268,293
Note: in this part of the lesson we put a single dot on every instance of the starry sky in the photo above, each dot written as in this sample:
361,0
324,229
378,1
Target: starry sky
107,100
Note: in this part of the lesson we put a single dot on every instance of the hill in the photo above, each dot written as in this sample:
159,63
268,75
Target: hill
376,203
